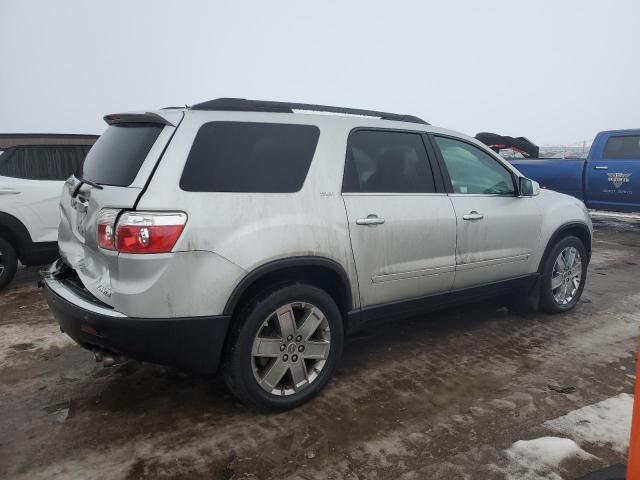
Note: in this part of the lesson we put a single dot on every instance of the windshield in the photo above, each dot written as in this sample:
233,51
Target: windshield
118,154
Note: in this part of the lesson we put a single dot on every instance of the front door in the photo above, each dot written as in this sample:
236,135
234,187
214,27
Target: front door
403,232
613,180
497,231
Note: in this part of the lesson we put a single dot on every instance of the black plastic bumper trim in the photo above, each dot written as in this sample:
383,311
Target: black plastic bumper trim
193,343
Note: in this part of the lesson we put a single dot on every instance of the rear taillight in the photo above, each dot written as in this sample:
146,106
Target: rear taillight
107,228
148,232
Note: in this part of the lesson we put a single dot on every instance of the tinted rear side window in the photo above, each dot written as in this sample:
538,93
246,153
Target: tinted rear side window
381,161
43,162
624,148
249,157
118,154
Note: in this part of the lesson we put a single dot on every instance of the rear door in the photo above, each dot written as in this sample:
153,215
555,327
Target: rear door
119,166
497,231
613,174
403,230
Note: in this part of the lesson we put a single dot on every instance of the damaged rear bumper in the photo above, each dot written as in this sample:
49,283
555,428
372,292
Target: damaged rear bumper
193,343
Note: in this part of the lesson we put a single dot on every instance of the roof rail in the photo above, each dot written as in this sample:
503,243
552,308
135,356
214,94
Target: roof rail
244,105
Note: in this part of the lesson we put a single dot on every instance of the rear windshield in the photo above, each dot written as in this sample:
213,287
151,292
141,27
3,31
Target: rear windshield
118,154
249,157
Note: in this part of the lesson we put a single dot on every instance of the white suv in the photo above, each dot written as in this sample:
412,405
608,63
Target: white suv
249,234
33,168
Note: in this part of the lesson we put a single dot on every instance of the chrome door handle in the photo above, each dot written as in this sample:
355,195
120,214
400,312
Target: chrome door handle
473,216
9,191
371,220
601,167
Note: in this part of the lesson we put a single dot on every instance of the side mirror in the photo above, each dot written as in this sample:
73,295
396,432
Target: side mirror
528,187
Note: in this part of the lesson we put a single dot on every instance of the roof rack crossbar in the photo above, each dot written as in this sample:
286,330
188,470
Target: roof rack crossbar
244,105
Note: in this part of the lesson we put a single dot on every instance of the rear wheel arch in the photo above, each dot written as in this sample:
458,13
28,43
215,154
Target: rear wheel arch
245,378
14,231
576,229
8,262
319,271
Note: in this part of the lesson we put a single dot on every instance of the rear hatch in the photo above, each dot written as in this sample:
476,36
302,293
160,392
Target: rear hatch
114,175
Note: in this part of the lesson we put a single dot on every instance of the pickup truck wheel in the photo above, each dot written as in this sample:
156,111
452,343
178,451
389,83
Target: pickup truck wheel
8,262
285,349
564,275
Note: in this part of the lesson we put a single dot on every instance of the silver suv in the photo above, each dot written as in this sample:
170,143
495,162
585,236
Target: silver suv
251,235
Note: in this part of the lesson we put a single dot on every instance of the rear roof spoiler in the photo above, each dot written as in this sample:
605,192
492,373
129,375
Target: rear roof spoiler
147,117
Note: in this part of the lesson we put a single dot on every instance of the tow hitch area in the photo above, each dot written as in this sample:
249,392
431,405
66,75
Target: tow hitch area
108,359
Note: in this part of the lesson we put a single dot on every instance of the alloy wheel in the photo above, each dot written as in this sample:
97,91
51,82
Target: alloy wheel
291,348
566,276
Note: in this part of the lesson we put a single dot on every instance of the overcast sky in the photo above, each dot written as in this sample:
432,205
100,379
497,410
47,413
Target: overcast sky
554,71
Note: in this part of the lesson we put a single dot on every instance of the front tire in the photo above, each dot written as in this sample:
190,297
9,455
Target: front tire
286,347
563,275
8,262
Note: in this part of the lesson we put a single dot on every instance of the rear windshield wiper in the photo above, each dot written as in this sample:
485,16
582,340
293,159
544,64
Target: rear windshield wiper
82,182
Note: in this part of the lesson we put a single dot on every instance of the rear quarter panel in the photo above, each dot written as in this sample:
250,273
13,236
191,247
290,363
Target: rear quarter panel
251,229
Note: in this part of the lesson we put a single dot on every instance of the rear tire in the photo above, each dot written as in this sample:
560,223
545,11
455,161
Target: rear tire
8,262
274,365
563,276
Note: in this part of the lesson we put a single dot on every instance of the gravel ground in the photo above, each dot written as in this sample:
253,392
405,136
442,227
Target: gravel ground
460,394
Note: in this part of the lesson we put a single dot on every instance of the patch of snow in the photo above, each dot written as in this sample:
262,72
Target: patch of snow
601,213
382,451
602,342
502,404
477,411
607,422
61,415
161,452
541,458
28,337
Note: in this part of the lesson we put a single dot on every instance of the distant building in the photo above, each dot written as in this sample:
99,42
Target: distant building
8,140
43,156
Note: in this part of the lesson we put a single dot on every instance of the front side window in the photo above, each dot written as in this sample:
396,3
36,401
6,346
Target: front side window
473,171
623,148
383,161
42,162
249,157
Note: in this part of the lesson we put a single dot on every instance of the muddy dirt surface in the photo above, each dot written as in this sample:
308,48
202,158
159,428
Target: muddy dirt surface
436,397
